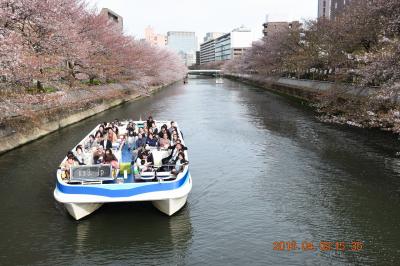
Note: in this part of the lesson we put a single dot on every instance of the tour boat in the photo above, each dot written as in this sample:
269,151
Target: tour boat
89,186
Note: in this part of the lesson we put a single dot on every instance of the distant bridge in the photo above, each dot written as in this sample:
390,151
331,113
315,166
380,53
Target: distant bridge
204,71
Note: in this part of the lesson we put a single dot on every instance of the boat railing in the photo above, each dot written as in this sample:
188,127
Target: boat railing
159,173
105,173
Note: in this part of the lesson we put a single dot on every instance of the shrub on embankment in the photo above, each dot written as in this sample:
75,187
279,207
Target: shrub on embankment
53,50
361,47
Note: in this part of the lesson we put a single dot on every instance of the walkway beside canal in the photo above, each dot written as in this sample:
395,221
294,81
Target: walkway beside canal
299,88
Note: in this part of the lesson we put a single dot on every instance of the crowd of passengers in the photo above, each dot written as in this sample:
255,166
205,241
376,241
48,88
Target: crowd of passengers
139,141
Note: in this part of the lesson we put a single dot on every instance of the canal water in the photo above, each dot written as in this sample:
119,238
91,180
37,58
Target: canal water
264,171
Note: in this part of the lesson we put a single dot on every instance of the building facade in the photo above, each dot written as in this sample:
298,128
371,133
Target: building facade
197,57
330,9
227,46
153,38
272,28
212,35
185,44
207,52
113,18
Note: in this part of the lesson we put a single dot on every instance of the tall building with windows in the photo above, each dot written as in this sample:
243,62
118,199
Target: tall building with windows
227,46
324,9
329,9
113,18
337,7
207,52
185,44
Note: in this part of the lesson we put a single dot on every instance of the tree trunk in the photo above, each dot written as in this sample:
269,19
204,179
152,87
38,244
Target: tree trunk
71,75
39,86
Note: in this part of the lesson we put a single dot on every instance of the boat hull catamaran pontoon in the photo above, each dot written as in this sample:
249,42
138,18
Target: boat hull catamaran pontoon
89,186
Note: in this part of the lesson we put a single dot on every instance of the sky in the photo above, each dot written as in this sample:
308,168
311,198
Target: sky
202,16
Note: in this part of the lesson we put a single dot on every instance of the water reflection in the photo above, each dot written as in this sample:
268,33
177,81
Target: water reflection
122,231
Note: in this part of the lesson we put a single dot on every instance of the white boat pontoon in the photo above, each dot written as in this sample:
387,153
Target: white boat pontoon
89,186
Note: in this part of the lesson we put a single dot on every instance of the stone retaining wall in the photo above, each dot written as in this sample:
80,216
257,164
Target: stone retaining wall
20,129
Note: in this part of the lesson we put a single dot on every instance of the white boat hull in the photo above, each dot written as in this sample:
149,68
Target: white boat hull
80,210
168,202
170,206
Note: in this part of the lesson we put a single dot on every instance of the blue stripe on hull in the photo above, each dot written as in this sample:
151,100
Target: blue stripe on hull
119,190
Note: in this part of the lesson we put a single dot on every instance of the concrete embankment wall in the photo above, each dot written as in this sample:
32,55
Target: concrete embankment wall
302,89
19,130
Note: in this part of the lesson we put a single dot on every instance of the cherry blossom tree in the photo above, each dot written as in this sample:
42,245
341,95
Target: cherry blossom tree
54,40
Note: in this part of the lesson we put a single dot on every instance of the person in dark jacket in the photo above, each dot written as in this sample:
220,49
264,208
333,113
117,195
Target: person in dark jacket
151,141
106,143
141,141
150,121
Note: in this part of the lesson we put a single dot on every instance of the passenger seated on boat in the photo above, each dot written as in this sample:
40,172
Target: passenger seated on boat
154,128
98,138
66,166
79,155
173,147
174,130
149,121
141,130
179,164
90,143
132,135
164,142
106,143
141,141
101,130
172,127
115,130
144,163
111,135
174,154
109,158
151,141
163,131
98,155
117,122
139,147
146,132
150,131
138,153
174,139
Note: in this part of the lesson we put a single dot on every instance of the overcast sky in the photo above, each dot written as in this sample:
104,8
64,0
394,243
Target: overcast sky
203,16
